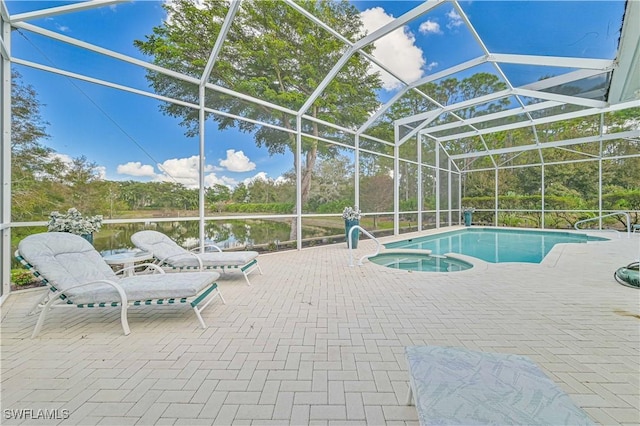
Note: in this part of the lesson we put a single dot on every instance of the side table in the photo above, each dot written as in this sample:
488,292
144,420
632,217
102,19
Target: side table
127,259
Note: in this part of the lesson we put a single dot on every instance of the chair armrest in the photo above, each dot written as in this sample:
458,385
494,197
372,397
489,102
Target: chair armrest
115,285
190,253
207,246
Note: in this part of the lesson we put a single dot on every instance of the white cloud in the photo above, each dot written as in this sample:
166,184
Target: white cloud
281,179
454,19
432,65
102,172
212,179
64,158
397,50
135,169
62,28
236,161
179,170
430,27
258,176
182,170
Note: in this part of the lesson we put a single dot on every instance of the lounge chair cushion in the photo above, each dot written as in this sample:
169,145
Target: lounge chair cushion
214,259
147,287
456,386
167,250
65,259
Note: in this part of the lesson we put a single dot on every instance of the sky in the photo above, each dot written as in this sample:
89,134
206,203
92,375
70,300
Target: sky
130,139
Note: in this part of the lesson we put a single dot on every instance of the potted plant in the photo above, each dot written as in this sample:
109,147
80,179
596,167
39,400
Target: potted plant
73,222
468,215
351,216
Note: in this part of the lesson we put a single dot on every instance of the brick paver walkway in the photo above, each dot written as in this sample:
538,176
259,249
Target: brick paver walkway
314,341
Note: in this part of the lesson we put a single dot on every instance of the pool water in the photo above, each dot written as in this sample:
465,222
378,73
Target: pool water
420,262
495,245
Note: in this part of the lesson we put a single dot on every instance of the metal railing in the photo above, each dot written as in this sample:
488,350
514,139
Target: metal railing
627,215
364,231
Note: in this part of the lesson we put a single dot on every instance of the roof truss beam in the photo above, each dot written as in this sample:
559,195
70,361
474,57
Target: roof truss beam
576,100
544,120
366,40
553,61
497,115
543,145
75,7
459,105
226,26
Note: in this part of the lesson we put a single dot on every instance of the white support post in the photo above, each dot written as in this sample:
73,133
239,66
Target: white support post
201,167
459,194
299,181
396,182
356,183
437,183
202,116
420,190
449,195
600,171
5,162
542,192
497,203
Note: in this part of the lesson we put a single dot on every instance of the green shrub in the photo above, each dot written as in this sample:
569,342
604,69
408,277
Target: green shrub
21,277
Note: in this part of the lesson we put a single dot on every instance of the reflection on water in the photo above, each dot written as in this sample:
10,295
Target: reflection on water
227,235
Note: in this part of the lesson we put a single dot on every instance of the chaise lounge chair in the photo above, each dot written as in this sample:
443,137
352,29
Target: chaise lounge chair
170,255
457,386
77,276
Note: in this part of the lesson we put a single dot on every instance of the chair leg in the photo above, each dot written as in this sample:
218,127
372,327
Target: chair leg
38,302
409,396
198,311
43,314
249,270
123,319
224,302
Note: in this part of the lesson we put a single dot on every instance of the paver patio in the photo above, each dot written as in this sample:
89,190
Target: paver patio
314,341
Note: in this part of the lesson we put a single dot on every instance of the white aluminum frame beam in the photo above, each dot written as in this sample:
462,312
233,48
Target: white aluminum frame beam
106,52
460,105
75,7
554,144
202,117
340,37
444,73
542,84
5,161
543,120
397,23
222,36
148,65
100,82
575,100
627,82
561,79
497,115
553,61
368,39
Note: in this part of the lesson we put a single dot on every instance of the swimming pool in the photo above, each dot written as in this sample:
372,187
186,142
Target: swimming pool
494,245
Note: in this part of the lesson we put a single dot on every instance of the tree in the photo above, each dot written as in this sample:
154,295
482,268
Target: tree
29,155
271,53
240,193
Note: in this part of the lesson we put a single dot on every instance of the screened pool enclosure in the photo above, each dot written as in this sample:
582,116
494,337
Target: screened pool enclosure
257,122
